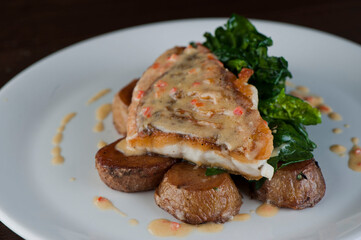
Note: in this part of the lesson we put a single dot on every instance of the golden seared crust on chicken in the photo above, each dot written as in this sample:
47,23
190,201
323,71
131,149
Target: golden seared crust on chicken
192,197
187,105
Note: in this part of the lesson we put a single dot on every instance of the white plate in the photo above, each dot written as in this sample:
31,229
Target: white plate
39,202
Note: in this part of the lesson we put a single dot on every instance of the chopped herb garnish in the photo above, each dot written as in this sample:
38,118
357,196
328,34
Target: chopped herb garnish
214,171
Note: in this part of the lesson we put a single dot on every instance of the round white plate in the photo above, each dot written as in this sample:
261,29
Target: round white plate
39,202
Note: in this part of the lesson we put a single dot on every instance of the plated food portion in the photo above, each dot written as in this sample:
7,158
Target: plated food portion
202,112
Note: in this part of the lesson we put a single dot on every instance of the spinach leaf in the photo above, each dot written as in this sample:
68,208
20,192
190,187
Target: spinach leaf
238,44
214,171
288,107
291,139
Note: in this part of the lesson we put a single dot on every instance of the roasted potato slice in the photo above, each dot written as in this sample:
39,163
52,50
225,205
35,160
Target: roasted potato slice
133,173
297,186
192,197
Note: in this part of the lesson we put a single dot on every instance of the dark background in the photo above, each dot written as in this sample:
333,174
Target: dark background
31,30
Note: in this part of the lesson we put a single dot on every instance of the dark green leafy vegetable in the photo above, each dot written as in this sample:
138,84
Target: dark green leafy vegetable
238,44
291,139
287,107
214,171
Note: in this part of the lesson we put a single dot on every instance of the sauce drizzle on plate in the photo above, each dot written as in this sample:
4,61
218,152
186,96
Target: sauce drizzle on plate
58,138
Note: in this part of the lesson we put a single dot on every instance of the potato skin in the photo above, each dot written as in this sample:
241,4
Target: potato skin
297,186
133,173
192,197
121,102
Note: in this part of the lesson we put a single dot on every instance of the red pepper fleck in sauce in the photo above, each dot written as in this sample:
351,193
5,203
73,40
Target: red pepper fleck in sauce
174,226
196,84
210,57
193,70
357,151
161,84
238,111
147,112
140,94
324,108
155,65
196,103
173,90
172,57
101,199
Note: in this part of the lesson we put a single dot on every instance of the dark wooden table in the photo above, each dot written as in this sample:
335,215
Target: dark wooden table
31,30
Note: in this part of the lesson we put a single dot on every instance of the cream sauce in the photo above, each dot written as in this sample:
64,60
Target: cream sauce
126,150
290,84
210,227
338,149
314,100
241,217
180,102
133,222
303,89
105,204
101,144
101,113
58,138
267,210
166,228
337,130
335,116
355,140
97,96
354,162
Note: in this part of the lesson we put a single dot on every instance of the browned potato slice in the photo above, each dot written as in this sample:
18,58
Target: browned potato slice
130,174
192,197
121,103
298,186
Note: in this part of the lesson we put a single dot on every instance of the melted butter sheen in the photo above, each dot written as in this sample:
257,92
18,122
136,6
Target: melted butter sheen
267,210
182,102
166,228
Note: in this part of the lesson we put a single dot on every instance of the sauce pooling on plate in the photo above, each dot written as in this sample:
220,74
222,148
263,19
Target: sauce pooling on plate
354,162
101,144
101,113
241,217
267,210
105,204
166,228
338,149
58,138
